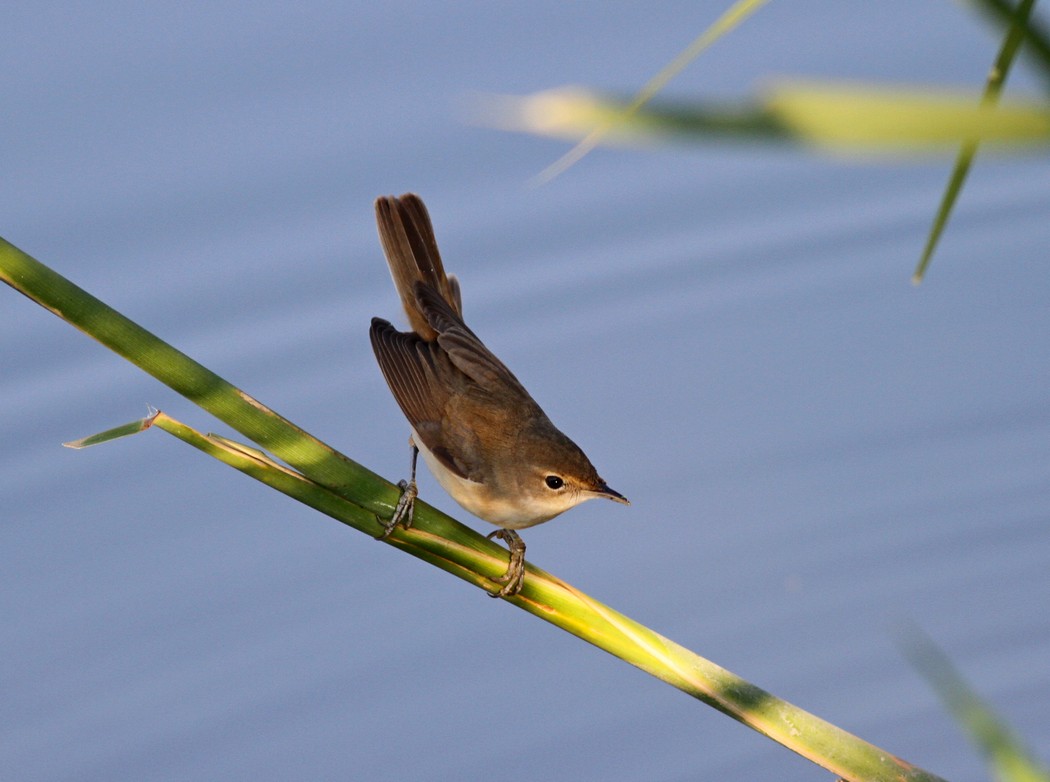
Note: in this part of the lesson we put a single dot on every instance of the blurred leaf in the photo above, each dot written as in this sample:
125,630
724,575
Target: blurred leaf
882,119
843,118
1008,759
572,112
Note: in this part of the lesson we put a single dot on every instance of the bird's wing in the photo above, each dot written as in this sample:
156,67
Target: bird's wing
422,380
466,352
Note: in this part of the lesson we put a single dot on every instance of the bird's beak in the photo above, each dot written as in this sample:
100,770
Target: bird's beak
603,490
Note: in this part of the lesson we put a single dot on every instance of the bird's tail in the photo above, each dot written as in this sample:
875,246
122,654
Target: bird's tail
412,254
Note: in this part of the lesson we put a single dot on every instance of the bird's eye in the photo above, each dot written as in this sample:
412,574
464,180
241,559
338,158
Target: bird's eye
553,482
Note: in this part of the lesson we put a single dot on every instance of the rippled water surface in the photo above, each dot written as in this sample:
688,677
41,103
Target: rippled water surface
816,451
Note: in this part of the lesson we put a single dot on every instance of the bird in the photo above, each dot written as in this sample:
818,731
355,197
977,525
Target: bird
485,439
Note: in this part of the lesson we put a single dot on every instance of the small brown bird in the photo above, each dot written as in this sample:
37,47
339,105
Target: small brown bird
483,437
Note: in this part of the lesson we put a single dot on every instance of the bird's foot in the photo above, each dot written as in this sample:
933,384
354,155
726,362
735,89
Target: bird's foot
513,579
403,511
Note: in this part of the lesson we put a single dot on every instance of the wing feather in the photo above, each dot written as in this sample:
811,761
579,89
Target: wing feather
418,375
462,346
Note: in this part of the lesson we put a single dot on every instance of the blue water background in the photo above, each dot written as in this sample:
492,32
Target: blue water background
816,450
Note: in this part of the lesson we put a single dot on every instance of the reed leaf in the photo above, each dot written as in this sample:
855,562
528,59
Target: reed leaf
842,118
993,87
1007,757
324,479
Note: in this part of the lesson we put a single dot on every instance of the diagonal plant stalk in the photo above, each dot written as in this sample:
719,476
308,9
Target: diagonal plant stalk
993,87
1035,36
333,484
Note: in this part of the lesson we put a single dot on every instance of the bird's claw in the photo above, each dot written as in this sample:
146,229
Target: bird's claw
403,511
513,579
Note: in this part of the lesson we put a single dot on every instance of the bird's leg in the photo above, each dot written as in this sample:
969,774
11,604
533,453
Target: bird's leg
515,575
406,503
